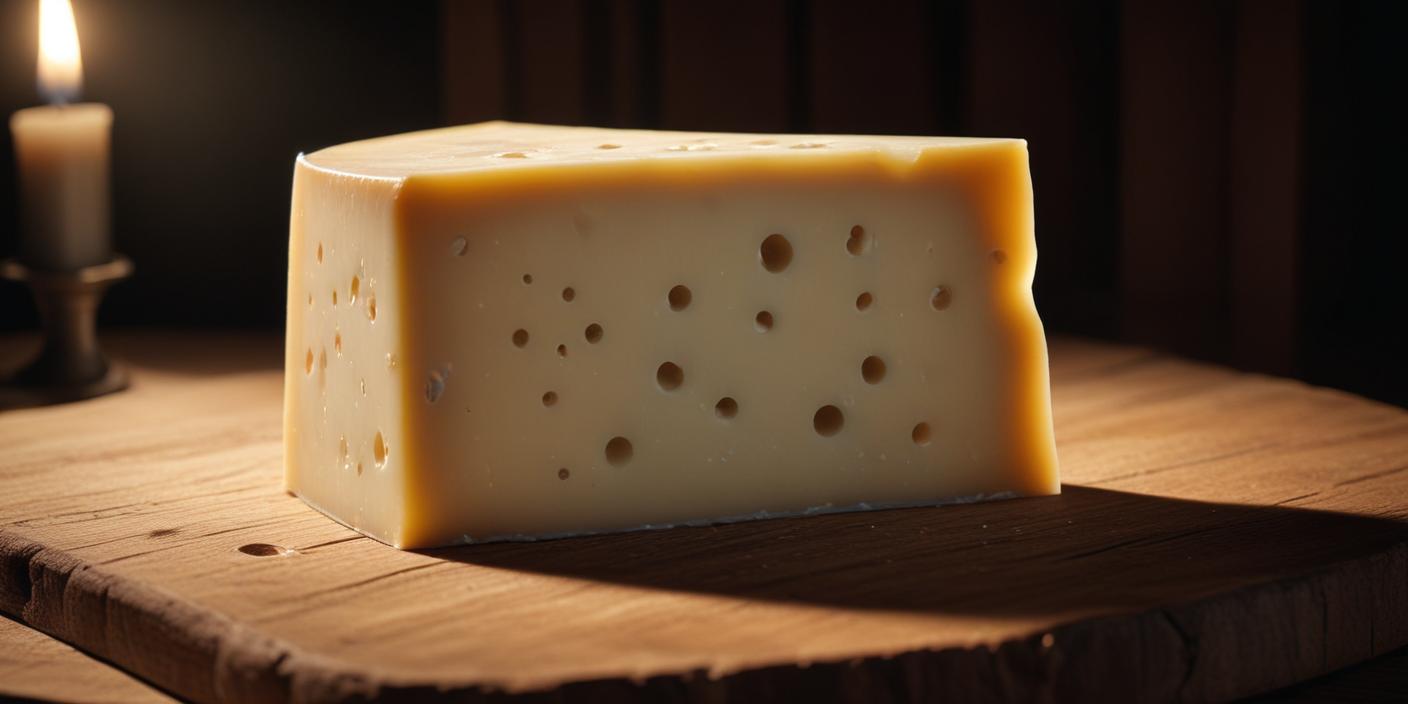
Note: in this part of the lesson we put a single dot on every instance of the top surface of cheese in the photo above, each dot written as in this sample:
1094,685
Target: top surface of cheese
499,145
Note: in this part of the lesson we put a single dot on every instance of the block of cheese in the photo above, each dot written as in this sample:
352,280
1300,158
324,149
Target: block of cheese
509,331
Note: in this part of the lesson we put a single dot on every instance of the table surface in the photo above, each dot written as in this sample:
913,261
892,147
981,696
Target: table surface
1219,535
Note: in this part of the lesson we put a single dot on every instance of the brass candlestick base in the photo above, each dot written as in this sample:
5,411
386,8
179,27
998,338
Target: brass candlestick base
70,367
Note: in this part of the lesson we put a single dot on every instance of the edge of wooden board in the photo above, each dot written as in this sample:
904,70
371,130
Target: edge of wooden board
1345,613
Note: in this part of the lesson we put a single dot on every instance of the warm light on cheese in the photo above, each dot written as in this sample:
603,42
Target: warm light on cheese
511,331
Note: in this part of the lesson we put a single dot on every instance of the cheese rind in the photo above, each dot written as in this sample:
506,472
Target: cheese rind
580,330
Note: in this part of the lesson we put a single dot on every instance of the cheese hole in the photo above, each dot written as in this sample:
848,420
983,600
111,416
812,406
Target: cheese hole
323,359
520,338
858,242
807,145
921,434
762,321
337,344
320,252
334,296
550,398
568,294
459,246
680,297
563,474
562,351
776,253
864,300
379,450
310,299
828,421
872,369
359,469
940,298
308,362
527,278
434,386
669,376
593,333
511,155
342,452
354,289
608,146
726,408
999,256
764,142
619,451
371,308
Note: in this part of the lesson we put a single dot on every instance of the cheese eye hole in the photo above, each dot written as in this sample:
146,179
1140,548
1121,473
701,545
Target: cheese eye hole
379,450
858,242
864,300
569,294
828,421
593,333
921,434
619,451
520,338
776,253
459,246
669,376
872,369
562,350
354,289
527,279
550,398
308,362
371,308
680,297
320,252
763,321
940,298
563,473
726,408
337,344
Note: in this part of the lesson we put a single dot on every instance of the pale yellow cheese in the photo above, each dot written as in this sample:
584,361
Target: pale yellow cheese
507,331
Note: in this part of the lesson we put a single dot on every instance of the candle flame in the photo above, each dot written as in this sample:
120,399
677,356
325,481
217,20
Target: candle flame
60,61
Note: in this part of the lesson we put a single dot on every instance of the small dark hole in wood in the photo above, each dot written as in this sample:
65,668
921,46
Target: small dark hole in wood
264,550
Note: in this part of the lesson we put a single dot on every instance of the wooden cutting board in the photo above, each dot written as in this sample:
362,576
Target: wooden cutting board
1219,535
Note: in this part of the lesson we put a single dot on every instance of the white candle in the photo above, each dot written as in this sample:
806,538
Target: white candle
62,154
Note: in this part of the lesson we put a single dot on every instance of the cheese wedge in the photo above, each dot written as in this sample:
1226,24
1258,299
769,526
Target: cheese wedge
509,331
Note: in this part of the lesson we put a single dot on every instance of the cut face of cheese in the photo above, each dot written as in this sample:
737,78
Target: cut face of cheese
507,331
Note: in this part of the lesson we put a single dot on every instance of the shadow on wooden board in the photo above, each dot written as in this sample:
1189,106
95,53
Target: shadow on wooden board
1087,549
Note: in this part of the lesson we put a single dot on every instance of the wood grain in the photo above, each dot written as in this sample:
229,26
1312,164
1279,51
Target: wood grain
34,666
1220,535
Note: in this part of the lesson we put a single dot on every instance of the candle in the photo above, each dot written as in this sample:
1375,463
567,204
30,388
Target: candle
61,151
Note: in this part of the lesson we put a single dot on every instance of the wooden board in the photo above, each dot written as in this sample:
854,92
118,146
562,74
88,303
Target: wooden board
34,666
1220,535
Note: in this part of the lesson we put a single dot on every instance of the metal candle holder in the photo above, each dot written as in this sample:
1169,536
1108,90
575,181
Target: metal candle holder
70,366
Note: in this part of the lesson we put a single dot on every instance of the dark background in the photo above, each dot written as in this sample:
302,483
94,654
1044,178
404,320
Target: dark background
1220,179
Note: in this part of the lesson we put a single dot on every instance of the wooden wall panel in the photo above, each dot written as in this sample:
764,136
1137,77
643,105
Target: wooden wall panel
872,70
545,54
472,61
1266,185
724,65
1174,87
